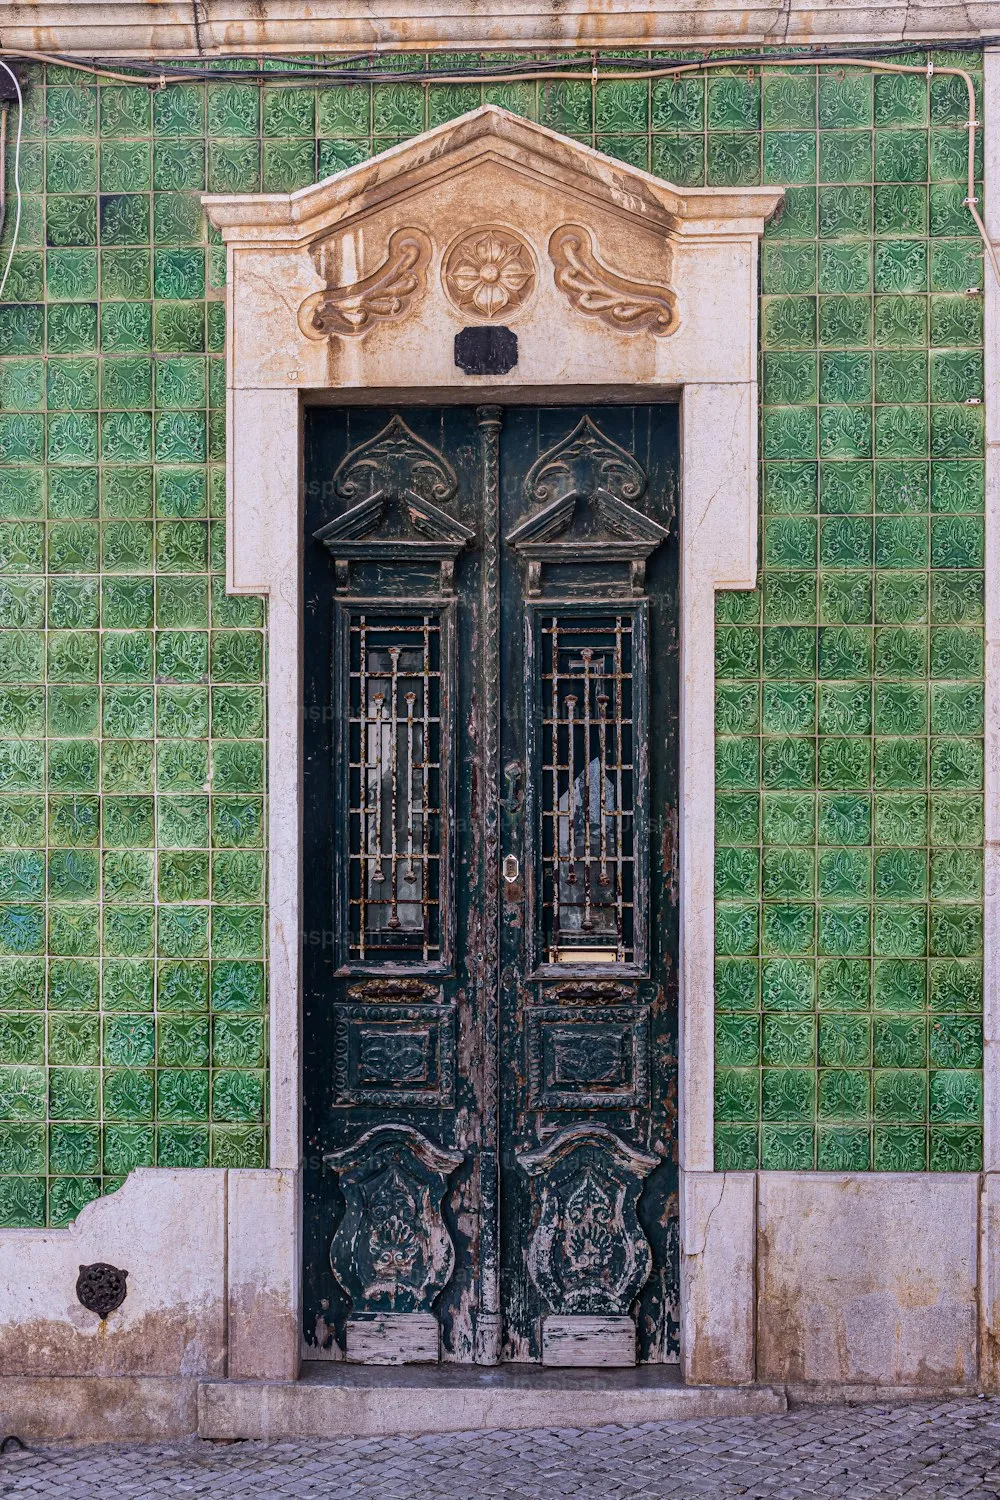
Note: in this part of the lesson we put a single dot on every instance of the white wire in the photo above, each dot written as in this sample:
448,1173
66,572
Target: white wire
17,173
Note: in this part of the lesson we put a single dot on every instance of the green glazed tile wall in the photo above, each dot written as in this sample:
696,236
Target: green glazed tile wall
131,688
850,684
132,1018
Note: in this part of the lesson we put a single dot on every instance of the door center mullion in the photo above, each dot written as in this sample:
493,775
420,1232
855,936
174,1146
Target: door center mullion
487,1340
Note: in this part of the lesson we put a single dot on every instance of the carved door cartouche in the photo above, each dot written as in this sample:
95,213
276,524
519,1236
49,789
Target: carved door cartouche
490,939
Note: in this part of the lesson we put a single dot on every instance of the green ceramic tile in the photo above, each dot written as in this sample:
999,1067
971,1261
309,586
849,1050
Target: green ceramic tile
177,218
865,274
179,111
787,1148
737,1041
737,1094
955,265
900,99
956,1150
233,109
789,1040
344,110
288,112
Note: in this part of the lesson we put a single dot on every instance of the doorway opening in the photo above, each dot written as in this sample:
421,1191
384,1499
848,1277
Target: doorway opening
490,928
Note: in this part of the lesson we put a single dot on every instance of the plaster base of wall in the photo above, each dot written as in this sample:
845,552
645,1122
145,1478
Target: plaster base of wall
830,1287
839,1282
95,1409
831,1393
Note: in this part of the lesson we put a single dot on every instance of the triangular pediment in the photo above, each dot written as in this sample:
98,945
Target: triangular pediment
584,493
489,247
526,148
584,497
586,521
392,520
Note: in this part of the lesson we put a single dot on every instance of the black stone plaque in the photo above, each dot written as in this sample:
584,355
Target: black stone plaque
485,351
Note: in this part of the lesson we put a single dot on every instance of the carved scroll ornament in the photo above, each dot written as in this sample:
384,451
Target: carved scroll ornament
594,289
353,309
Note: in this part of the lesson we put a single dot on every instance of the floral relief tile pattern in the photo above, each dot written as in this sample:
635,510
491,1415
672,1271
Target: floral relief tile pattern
132,1010
849,876
132,1016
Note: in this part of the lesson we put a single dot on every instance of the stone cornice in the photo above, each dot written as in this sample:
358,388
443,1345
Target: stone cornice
136,28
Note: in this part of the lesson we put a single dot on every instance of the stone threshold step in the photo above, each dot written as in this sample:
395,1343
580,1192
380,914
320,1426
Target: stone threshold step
338,1401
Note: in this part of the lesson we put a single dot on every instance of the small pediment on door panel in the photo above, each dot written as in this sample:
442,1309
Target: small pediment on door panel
394,486
580,491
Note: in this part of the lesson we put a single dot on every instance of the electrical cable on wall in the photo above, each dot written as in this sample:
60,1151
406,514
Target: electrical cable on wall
348,69
17,174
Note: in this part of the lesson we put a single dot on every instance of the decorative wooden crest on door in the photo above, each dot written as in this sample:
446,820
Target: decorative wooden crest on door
395,485
392,1251
582,491
588,1253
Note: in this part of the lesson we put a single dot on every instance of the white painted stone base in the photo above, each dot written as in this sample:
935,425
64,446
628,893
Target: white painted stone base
834,1287
95,1409
213,1269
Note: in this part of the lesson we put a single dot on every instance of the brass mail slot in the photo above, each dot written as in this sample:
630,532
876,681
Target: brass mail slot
585,956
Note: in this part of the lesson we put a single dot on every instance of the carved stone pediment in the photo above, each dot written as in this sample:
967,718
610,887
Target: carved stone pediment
603,273
398,484
581,491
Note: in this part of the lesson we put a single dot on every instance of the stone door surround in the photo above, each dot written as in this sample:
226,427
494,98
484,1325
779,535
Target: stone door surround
615,285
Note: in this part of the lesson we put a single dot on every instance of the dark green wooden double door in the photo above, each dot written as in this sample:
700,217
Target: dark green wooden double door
490,936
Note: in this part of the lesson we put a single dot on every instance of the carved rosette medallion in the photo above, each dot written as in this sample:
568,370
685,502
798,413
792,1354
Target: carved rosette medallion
588,1253
488,272
595,289
347,311
392,1251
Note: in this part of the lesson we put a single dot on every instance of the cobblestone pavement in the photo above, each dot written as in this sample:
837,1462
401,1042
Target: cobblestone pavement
937,1451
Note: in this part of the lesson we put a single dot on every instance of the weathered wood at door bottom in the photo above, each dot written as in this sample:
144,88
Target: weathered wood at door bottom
393,1339
583,1341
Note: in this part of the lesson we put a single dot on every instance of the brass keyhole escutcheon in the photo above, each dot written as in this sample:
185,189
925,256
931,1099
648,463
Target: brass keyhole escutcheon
511,869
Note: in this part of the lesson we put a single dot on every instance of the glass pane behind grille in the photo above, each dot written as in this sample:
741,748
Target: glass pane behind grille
394,712
588,788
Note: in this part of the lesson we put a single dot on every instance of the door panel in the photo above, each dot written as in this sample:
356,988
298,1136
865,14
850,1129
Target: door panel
491,925
588,997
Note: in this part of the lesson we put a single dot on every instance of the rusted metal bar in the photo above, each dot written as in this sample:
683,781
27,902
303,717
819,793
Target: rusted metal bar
588,923
410,874
602,709
394,787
